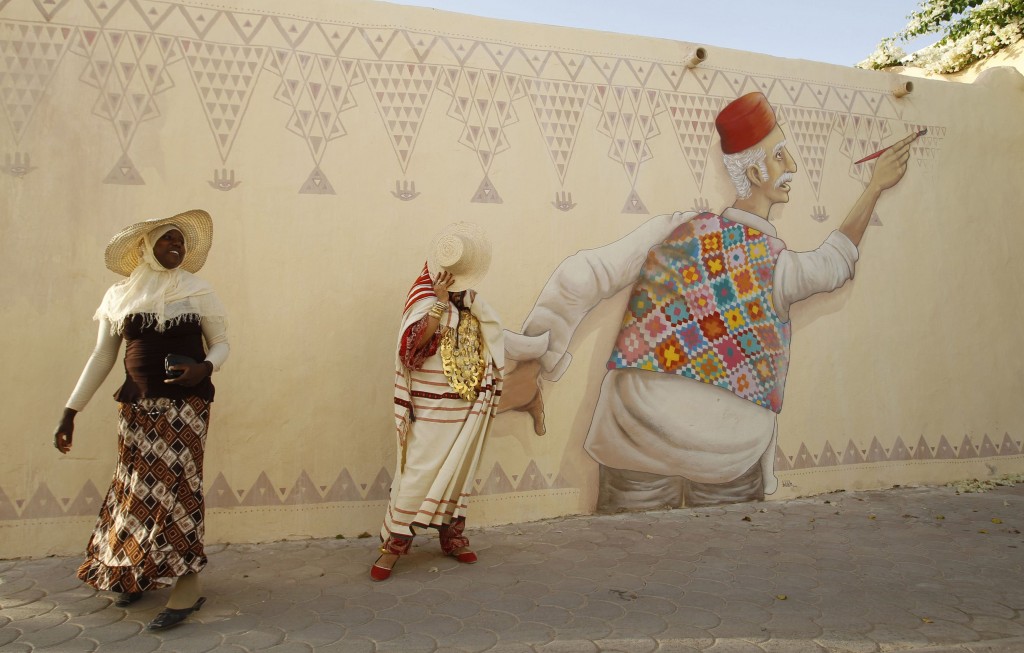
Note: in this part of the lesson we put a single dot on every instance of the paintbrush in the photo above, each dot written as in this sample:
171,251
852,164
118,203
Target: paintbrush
879,152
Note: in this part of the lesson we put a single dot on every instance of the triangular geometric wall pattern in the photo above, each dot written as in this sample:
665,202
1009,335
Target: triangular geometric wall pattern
321,68
29,55
898,451
42,504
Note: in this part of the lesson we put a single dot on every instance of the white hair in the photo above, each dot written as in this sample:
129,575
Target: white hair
737,165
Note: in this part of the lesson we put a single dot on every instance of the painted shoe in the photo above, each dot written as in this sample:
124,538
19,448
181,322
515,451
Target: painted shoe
169,617
124,599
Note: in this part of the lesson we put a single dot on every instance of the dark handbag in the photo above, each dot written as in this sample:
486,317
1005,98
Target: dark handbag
176,359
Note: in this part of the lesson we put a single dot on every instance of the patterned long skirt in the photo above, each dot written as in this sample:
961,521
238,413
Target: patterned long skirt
151,524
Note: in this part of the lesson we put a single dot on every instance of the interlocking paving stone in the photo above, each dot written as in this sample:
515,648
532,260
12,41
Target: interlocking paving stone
21,598
687,635
408,643
318,634
144,644
437,626
88,606
46,621
513,604
492,620
349,617
791,646
947,632
257,639
844,642
8,635
379,630
350,645
581,627
51,636
529,632
14,581
295,618
459,608
570,646
237,624
996,627
1008,646
406,612
190,641
639,624
672,580
549,615
677,647
472,640
291,647
623,644
890,637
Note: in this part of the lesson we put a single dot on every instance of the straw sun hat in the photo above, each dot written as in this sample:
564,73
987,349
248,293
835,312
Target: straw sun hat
461,248
124,251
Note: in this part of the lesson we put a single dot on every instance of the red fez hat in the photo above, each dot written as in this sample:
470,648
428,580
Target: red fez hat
744,122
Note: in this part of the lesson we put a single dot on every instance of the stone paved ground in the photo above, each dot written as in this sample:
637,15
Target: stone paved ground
913,569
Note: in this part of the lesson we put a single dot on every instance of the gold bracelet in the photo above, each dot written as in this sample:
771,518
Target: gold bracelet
437,310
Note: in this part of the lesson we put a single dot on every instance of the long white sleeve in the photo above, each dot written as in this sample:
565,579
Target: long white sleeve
100,362
584,279
215,333
798,275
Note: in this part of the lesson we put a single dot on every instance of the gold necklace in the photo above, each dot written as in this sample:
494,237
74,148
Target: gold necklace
462,356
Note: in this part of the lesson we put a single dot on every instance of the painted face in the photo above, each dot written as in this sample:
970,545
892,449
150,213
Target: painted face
780,165
169,249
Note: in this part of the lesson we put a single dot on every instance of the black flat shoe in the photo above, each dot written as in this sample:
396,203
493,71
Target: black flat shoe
124,599
169,617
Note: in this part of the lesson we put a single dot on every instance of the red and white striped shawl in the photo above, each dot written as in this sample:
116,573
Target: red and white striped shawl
418,302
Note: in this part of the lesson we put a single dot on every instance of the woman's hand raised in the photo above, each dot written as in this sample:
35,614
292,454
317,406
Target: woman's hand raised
442,281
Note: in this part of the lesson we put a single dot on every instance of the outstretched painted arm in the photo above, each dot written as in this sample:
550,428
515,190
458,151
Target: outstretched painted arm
889,169
578,284
581,281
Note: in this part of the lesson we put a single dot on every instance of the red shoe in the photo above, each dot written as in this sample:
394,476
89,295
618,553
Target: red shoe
381,573
467,557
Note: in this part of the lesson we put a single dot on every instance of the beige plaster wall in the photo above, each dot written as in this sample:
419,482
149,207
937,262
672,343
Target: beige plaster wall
909,374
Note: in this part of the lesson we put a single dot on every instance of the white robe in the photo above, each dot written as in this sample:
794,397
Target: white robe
442,438
663,423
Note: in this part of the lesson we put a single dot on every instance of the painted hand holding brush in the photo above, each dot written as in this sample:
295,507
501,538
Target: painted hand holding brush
881,151
888,170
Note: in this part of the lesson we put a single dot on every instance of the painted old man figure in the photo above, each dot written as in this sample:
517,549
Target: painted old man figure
687,411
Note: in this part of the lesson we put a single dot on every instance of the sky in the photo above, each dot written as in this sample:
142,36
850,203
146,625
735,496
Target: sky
840,32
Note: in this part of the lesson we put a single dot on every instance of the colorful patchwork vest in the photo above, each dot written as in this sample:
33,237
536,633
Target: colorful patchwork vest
702,308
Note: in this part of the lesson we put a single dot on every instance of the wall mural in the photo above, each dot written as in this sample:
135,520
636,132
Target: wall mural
686,414
135,54
134,51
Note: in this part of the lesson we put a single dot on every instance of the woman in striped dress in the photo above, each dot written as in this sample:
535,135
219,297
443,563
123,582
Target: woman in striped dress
448,375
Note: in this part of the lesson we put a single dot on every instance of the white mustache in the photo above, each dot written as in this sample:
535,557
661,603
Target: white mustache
784,178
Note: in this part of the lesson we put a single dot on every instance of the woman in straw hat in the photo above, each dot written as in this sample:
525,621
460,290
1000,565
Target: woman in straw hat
448,371
150,528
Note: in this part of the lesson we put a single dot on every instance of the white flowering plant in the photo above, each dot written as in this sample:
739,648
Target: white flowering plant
971,30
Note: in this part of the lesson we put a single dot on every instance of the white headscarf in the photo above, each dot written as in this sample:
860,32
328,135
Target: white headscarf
163,297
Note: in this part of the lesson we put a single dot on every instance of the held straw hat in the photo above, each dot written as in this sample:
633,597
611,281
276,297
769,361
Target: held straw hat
124,251
461,248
